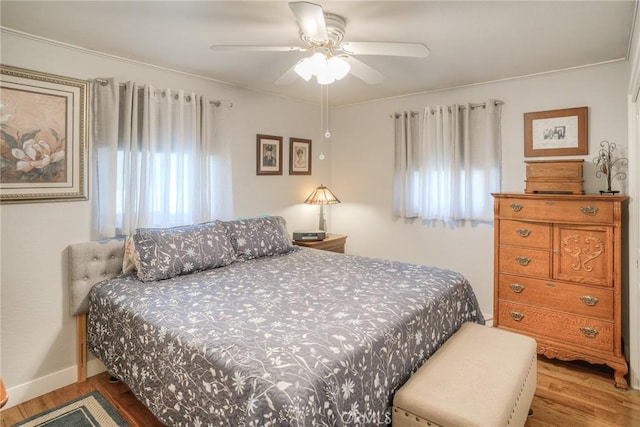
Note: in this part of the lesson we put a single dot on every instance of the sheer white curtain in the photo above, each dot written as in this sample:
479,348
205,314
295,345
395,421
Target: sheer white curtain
161,158
455,167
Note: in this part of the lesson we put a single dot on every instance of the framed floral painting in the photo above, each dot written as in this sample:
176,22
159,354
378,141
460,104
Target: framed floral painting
43,137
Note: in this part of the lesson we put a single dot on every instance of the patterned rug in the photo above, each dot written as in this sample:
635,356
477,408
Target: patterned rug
89,410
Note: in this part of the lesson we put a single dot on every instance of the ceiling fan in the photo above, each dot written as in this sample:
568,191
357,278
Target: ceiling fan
322,34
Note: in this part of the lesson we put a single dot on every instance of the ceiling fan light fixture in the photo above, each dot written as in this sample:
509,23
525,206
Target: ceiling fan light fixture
318,62
304,69
325,77
338,67
325,70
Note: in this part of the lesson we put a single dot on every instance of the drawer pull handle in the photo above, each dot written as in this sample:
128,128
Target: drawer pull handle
589,210
516,287
523,232
516,316
588,332
523,260
587,300
516,207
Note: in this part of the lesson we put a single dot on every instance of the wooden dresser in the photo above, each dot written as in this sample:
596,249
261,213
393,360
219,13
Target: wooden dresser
557,274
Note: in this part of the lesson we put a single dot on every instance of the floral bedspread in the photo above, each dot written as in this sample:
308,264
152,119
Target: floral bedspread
308,338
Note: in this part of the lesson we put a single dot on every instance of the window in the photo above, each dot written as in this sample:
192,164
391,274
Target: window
161,159
447,162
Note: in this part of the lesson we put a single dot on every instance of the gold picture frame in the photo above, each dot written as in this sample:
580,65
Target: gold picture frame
44,131
299,156
556,132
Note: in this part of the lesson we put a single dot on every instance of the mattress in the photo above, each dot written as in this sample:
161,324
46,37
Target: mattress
299,339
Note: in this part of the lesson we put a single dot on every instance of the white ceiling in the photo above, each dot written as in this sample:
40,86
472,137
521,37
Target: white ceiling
470,41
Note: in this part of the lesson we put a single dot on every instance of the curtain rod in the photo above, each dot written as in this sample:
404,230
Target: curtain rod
104,82
460,107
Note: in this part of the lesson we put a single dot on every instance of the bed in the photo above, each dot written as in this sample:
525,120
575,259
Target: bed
275,335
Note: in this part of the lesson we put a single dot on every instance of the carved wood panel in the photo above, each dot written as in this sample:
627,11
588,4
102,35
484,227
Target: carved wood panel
583,254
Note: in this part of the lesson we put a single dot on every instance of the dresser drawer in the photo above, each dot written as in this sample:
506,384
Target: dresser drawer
526,261
576,299
573,211
529,234
562,327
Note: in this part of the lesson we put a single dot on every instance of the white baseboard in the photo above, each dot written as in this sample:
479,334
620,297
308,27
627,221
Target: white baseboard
488,319
48,383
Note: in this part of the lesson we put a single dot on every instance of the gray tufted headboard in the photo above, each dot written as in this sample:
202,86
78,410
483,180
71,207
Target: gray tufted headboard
90,263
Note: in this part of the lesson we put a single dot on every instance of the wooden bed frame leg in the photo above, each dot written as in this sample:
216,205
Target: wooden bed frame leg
81,346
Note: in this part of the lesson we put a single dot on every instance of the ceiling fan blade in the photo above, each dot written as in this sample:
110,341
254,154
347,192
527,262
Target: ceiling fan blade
417,50
364,72
251,48
288,77
310,18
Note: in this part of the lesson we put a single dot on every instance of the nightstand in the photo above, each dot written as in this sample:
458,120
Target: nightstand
332,243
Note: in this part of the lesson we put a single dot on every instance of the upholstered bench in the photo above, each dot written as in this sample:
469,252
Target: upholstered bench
481,376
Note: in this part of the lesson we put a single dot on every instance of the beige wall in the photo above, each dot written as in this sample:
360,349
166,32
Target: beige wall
37,332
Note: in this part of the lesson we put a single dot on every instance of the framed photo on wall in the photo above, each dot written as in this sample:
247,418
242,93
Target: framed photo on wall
299,156
556,132
268,155
43,148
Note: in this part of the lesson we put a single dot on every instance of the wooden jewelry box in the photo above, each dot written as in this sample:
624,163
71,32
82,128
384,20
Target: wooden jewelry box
554,176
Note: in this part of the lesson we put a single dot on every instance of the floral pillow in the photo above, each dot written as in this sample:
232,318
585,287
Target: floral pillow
168,252
258,237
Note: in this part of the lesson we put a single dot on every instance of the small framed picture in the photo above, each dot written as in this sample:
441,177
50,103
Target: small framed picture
299,156
268,155
556,132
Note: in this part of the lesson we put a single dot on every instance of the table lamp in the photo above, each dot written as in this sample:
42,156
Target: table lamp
322,196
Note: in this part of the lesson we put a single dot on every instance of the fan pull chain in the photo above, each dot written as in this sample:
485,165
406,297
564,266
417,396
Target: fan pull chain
321,110
324,115
327,132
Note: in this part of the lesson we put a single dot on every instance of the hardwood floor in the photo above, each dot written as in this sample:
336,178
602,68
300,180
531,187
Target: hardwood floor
118,394
568,394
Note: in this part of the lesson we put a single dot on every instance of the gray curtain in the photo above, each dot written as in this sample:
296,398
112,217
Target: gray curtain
161,158
448,170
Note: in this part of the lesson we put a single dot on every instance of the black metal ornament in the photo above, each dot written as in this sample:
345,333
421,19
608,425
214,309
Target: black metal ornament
606,165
